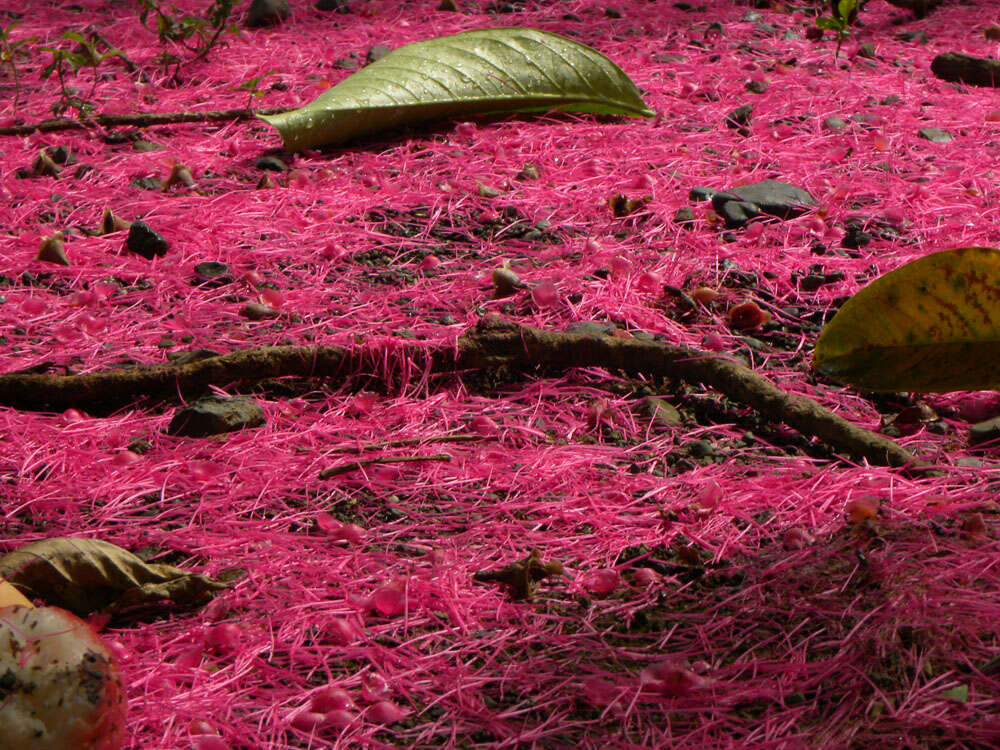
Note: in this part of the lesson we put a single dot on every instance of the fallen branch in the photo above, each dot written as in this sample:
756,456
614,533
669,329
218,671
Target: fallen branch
140,120
493,343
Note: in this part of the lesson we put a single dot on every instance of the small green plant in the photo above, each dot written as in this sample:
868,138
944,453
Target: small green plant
8,56
840,20
85,54
197,34
252,86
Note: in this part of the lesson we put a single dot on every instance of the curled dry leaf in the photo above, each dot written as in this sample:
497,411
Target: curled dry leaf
522,576
89,575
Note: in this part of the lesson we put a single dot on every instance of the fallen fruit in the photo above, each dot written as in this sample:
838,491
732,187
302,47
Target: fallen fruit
60,688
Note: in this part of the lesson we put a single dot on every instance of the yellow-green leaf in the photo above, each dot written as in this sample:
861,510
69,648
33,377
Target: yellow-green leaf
930,326
475,72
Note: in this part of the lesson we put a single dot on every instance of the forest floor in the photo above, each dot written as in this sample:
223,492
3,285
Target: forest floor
715,593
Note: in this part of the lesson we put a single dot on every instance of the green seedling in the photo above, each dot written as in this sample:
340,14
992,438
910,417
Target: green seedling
840,20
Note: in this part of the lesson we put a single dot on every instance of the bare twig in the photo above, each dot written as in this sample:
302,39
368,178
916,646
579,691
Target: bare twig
406,442
361,463
141,120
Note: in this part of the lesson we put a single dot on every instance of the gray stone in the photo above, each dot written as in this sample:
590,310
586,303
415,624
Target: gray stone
834,123
213,271
145,241
776,198
756,86
738,213
935,135
702,194
983,432
340,6
213,415
266,13
867,50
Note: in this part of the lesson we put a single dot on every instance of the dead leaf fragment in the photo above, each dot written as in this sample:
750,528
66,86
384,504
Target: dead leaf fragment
522,576
53,250
90,575
111,223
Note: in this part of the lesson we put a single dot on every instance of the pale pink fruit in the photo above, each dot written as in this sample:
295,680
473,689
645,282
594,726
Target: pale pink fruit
62,687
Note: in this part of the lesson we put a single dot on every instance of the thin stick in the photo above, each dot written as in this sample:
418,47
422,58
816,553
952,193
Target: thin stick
492,344
344,468
141,120
408,441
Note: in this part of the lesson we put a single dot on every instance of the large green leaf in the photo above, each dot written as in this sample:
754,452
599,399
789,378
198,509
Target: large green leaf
930,326
482,71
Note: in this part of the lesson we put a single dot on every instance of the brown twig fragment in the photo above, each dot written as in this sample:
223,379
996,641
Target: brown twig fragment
521,577
140,120
462,438
350,466
492,344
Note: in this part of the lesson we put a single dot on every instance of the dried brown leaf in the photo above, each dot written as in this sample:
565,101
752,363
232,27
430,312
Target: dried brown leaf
90,575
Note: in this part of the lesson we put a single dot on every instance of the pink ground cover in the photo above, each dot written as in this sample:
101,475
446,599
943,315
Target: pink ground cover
715,594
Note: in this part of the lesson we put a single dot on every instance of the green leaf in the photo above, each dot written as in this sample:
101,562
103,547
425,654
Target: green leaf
958,693
475,72
930,326
829,23
845,8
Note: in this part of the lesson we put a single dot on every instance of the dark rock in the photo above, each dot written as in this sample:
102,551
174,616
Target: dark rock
702,194
983,432
448,320
147,146
920,37
266,13
765,29
377,52
345,63
571,17
891,99
82,170
686,7
740,117
145,241
610,12
935,135
340,6
213,271
756,86
736,213
666,58
867,50
684,216
776,198
856,237
959,68
213,415
271,164
699,448
834,123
